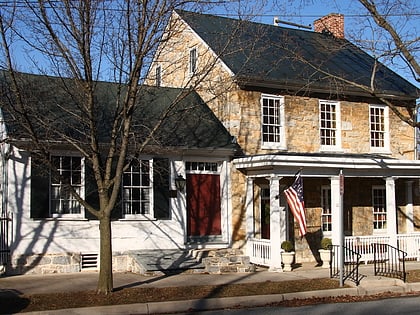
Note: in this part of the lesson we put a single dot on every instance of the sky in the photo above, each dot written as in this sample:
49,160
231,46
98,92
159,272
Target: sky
306,11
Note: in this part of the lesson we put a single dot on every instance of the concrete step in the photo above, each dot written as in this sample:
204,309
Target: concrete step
165,261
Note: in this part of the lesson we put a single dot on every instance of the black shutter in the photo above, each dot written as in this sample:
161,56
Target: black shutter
40,189
161,189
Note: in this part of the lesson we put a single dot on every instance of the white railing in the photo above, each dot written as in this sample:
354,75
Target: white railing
410,243
260,249
361,245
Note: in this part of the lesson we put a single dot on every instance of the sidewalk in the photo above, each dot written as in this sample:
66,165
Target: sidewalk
38,284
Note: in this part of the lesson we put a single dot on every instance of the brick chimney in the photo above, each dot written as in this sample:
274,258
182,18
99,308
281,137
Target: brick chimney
332,23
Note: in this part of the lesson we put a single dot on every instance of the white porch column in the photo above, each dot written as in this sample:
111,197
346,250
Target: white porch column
337,229
409,206
249,214
277,224
337,221
391,212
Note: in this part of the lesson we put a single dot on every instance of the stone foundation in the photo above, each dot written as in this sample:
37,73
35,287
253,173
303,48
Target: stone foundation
44,264
227,260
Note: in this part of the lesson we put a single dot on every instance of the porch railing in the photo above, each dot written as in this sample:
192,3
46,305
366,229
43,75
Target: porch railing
260,249
362,245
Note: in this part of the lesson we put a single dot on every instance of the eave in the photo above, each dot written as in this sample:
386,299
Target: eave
327,166
314,88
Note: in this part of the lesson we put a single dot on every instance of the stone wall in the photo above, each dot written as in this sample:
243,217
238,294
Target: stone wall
45,264
240,113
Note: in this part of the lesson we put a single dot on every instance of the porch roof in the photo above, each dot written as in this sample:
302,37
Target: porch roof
320,165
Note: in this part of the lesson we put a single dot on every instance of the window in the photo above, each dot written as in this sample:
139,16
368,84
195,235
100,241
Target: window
379,135
329,122
211,167
273,131
69,172
137,189
193,60
158,76
379,207
326,209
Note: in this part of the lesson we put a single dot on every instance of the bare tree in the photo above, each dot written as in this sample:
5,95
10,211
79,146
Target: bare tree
81,43
397,44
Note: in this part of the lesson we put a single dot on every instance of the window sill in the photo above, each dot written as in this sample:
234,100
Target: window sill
137,218
63,218
331,149
380,151
273,147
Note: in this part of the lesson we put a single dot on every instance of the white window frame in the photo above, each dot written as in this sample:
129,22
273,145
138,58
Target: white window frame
379,210
81,188
385,132
326,205
202,167
277,123
138,216
336,128
193,60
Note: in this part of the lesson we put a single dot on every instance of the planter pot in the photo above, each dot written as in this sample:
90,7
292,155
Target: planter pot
325,255
287,258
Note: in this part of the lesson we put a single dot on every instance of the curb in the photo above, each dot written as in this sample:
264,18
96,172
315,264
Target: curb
222,303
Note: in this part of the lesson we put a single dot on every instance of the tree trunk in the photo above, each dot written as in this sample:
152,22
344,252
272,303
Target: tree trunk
105,282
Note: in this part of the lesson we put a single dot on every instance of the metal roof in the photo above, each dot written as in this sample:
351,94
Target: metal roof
184,120
269,56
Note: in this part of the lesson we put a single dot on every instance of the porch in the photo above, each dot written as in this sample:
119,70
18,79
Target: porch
371,199
260,252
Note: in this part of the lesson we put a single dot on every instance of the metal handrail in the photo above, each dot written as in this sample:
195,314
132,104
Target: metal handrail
389,261
351,264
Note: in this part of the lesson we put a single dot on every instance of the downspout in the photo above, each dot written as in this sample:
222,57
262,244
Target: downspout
5,154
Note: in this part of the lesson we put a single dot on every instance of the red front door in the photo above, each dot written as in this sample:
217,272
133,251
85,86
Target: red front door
203,205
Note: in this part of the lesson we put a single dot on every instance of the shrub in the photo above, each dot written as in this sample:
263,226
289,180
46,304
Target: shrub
326,243
287,246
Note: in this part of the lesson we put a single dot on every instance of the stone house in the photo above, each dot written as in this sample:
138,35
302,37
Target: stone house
300,100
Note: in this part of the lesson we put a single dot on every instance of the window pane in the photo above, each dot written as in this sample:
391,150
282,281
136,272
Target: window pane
377,126
379,208
326,209
271,120
328,124
136,188
69,170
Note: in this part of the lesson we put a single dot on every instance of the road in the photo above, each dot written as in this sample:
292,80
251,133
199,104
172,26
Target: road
400,306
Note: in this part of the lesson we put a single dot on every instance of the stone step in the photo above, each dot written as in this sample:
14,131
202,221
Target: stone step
165,261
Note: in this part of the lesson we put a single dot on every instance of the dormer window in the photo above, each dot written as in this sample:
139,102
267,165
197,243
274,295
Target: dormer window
193,60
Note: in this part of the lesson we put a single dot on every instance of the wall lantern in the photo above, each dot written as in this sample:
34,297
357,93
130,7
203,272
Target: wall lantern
180,183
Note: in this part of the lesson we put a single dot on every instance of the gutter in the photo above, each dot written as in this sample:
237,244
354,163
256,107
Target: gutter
312,88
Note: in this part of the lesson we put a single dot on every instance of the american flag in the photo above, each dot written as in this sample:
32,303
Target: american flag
294,197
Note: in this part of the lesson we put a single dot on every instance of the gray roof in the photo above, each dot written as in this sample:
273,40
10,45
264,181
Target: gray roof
270,56
188,124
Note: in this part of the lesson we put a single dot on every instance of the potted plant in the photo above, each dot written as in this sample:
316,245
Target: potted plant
325,252
287,255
